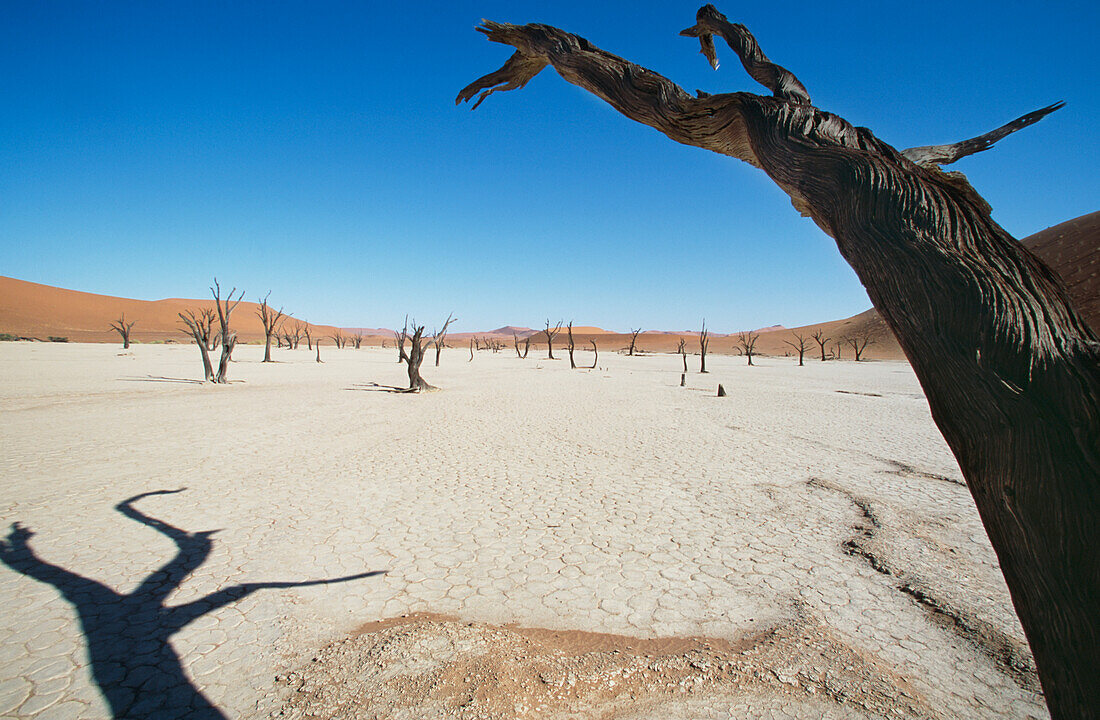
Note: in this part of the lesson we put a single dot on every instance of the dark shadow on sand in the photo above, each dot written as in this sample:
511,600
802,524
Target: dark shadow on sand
127,635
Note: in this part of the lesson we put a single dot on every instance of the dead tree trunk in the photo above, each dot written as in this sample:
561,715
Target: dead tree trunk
683,353
821,339
704,343
1010,370
123,328
471,350
309,338
633,341
416,356
228,337
526,346
572,365
747,341
400,337
357,338
270,319
595,354
515,341
800,346
551,333
440,336
195,328
318,346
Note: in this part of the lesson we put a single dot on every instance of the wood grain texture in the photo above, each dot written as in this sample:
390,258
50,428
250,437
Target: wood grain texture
1011,371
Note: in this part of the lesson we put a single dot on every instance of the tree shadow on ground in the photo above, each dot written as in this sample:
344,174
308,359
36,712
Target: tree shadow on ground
127,635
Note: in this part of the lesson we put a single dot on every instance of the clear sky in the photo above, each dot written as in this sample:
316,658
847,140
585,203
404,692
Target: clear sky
313,149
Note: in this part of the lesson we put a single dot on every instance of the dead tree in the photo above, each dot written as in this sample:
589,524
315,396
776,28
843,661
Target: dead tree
309,339
196,328
595,354
123,328
526,346
270,319
859,342
288,340
339,339
821,339
515,341
440,336
572,365
1010,370
228,337
551,333
704,343
683,353
633,341
206,319
839,347
299,330
747,341
417,345
802,342
318,346
357,338
471,350
400,338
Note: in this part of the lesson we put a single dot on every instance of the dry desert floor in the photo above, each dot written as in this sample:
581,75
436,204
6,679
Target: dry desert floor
530,542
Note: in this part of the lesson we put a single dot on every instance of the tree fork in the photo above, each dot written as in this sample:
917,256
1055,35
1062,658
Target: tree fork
1010,370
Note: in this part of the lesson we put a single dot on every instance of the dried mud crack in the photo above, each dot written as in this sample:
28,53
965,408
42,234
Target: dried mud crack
433,666
1009,655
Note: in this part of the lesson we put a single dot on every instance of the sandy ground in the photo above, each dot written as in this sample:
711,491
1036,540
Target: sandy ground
542,542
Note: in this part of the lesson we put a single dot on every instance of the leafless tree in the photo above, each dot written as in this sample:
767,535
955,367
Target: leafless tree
306,330
1011,372
471,350
747,341
704,343
633,340
123,328
572,365
318,346
417,345
196,328
205,320
357,338
270,319
821,339
228,337
595,354
550,334
297,329
399,338
683,353
859,342
340,339
800,344
440,336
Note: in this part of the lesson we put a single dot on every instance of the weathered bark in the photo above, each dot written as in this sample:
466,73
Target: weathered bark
416,356
195,328
227,336
1010,370
439,337
270,319
704,343
747,341
800,346
821,339
633,341
572,364
551,333
123,328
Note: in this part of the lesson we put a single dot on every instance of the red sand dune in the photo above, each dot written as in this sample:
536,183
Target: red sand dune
31,310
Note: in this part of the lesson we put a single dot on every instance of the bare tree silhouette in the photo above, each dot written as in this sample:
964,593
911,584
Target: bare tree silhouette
821,339
439,338
551,333
572,364
128,633
704,342
123,328
801,345
747,341
682,349
270,319
633,340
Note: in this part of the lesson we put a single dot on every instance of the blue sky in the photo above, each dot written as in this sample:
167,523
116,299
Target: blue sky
314,150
